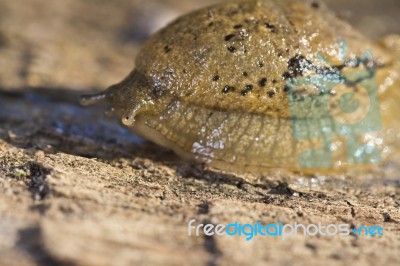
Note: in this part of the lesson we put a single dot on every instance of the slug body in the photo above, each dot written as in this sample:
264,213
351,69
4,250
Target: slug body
215,86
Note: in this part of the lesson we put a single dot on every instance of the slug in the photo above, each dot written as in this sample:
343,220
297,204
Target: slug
255,85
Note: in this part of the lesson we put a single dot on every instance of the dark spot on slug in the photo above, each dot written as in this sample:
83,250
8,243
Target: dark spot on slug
167,49
246,89
296,66
157,90
270,26
227,89
238,26
245,74
229,37
262,82
287,75
274,81
315,5
210,24
271,93
215,78
231,49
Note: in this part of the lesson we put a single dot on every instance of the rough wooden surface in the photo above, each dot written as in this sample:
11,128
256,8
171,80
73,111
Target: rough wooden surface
78,189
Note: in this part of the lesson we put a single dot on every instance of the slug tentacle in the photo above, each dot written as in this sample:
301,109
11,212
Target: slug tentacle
128,119
91,99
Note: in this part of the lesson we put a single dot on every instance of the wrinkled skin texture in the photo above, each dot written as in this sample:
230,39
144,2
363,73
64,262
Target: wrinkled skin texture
212,85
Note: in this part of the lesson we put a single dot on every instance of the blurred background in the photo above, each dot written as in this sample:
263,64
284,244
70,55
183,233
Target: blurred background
92,44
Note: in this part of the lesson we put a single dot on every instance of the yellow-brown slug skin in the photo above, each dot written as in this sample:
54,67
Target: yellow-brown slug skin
213,85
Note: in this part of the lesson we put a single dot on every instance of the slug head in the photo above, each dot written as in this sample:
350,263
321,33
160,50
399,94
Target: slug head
127,99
